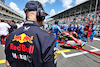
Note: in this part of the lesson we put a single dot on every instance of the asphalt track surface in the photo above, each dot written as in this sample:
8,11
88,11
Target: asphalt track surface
75,58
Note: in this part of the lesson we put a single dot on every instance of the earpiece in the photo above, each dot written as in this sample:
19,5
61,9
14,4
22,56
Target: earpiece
40,12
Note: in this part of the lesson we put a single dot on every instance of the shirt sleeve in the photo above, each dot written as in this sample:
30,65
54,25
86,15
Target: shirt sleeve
59,29
7,50
48,52
45,43
8,26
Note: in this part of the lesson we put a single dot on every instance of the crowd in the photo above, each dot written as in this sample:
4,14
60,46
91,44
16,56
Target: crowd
84,24
83,31
83,18
6,27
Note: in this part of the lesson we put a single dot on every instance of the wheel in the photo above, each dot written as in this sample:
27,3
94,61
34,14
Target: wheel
76,48
62,46
82,47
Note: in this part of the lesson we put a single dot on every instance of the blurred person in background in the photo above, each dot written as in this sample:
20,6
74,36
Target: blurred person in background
64,26
89,30
18,24
4,31
85,33
81,30
55,30
70,28
6,21
74,27
22,22
93,29
13,26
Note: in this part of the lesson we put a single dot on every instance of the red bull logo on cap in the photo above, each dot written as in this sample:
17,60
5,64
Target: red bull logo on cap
23,38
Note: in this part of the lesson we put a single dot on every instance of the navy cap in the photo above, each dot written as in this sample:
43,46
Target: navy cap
33,6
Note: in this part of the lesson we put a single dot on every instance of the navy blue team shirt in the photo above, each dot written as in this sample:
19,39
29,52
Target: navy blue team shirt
30,46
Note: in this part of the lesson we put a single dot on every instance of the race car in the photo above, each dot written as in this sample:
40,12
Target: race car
70,39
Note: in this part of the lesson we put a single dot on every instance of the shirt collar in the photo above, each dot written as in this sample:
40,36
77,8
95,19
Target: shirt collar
32,23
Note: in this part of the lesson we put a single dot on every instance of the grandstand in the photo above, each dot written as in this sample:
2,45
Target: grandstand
88,11
6,13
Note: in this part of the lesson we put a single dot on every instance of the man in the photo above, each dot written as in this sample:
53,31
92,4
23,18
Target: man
74,27
4,31
81,30
30,46
93,29
18,24
70,28
74,32
54,30
22,22
64,27
85,36
13,26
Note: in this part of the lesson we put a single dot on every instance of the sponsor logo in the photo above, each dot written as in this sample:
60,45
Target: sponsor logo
23,38
26,28
22,47
23,57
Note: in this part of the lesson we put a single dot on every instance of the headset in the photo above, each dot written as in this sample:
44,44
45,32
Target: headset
40,12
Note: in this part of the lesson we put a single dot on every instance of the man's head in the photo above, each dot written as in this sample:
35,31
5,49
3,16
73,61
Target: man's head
2,21
6,21
34,11
12,21
56,22
81,24
22,21
92,24
18,22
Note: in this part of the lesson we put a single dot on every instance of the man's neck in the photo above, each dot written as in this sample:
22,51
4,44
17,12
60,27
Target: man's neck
32,20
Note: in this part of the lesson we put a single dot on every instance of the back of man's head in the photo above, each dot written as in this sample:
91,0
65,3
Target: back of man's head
56,22
81,24
33,10
12,20
2,21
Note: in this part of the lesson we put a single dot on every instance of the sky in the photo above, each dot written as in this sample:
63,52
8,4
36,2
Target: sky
51,7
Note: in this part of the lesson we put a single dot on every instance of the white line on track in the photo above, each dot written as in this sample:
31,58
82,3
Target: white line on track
80,53
92,46
96,39
62,53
